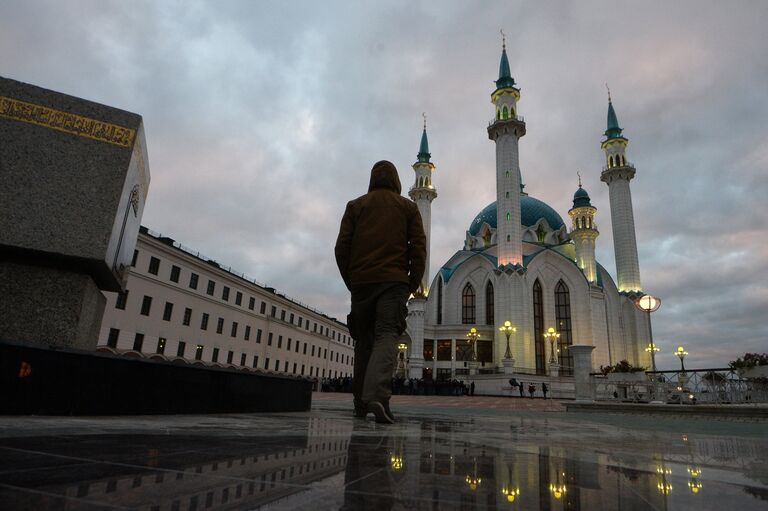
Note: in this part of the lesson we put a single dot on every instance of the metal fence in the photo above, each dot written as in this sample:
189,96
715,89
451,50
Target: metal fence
697,386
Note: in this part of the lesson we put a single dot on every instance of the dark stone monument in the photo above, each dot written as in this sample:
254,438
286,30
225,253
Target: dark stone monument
74,177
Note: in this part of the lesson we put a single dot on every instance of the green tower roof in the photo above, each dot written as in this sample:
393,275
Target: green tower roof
505,76
581,198
613,130
424,155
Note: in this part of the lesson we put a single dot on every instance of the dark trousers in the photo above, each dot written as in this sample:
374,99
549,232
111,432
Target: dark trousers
375,323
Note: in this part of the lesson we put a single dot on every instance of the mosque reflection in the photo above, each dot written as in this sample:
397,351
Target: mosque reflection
328,463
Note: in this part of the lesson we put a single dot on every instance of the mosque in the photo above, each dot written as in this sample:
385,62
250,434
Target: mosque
520,263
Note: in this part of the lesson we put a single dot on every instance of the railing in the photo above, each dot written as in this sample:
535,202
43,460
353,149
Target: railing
519,118
626,165
697,386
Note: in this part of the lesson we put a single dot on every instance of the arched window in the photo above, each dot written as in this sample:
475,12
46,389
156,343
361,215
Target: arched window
468,305
428,181
498,113
507,175
439,300
610,161
505,112
489,303
509,216
563,317
623,161
538,328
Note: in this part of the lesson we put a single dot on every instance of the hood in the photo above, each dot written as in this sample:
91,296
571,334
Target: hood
384,175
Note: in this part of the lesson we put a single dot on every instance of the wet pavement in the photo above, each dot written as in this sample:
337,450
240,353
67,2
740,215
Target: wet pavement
444,453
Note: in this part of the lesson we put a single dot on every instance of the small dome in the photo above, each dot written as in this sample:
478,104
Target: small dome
581,198
531,210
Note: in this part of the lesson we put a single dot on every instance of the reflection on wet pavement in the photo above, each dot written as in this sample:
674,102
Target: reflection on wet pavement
324,459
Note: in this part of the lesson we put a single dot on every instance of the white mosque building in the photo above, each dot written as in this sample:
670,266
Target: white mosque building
521,263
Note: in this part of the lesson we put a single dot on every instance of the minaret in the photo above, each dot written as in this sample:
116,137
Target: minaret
423,193
617,173
584,232
506,128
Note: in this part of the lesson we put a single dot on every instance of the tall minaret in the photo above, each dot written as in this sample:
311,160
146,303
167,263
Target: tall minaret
423,193
506,128
584,232
617,173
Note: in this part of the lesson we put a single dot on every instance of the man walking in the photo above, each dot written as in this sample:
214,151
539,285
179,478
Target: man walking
381,253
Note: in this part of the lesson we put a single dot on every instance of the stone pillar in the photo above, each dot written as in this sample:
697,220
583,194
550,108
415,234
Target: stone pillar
416,308
582,366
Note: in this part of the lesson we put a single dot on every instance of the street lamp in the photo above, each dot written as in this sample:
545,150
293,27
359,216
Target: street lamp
508,329
552,335
681,353
473,335
649,303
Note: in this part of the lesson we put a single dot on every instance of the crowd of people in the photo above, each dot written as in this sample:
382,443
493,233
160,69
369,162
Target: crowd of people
406,386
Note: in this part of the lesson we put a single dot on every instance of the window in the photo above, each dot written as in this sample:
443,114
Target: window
211,287
168,311
305,349
238,298
269,339
234,329
282,315
161,345
220,326
463,350
440,301
122,299
294,368
230,355
300,321
225,293
215,357
484,351
563,318
285,368
242,359
114,334
297,346
538,327
255,361
288,347
258,336
154,265
292,317
193,278
247,333
146,305
187,316
181,348
489,303
444,349
277,365
429,350
138,342
302,368
251,303
273,312
135,257
204,322
468,305
313,350
279,341
263,307
266,363
175,273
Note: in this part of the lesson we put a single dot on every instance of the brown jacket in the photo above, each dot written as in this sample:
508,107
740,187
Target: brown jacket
381,238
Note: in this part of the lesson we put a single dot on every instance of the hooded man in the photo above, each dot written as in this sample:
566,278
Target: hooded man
381,252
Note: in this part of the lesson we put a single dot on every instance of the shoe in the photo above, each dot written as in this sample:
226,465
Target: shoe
382,413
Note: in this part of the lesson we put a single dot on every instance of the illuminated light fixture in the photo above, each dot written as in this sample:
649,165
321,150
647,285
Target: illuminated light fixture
507,329
552,335
694,471
648,303
510,493
694,485
473,481
473,335
664,488
402,346
396,462
681,353
558,490
663,470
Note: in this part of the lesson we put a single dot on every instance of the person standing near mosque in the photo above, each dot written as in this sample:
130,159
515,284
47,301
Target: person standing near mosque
381,254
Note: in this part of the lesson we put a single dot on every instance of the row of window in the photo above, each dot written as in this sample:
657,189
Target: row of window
463,352
194,278
138,345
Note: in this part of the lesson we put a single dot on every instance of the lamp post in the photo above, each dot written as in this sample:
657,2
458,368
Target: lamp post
552,335
649,303
509,361
681,353
472,336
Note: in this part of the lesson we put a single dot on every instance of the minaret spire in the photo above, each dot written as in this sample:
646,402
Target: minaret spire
423,193
617,174
584,232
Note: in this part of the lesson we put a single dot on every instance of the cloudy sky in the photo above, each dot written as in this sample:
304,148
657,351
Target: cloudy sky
263,118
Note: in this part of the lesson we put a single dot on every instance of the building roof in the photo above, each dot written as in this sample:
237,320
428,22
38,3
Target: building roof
581,198
505,76
613,130
424,155
531,210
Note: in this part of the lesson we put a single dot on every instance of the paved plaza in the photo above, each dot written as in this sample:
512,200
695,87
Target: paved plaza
462,453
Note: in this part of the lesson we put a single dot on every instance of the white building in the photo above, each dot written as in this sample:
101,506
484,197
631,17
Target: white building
179,304
521,263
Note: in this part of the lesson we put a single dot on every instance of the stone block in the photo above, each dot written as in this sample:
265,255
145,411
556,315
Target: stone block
73,181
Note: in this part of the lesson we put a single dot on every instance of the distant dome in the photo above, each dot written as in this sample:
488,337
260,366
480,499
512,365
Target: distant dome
531,210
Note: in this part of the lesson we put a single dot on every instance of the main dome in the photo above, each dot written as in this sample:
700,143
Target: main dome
531,210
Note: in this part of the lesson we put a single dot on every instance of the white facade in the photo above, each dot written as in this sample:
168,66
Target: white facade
181,305
520,263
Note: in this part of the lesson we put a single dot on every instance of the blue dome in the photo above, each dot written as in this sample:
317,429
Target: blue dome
530,211
581,198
